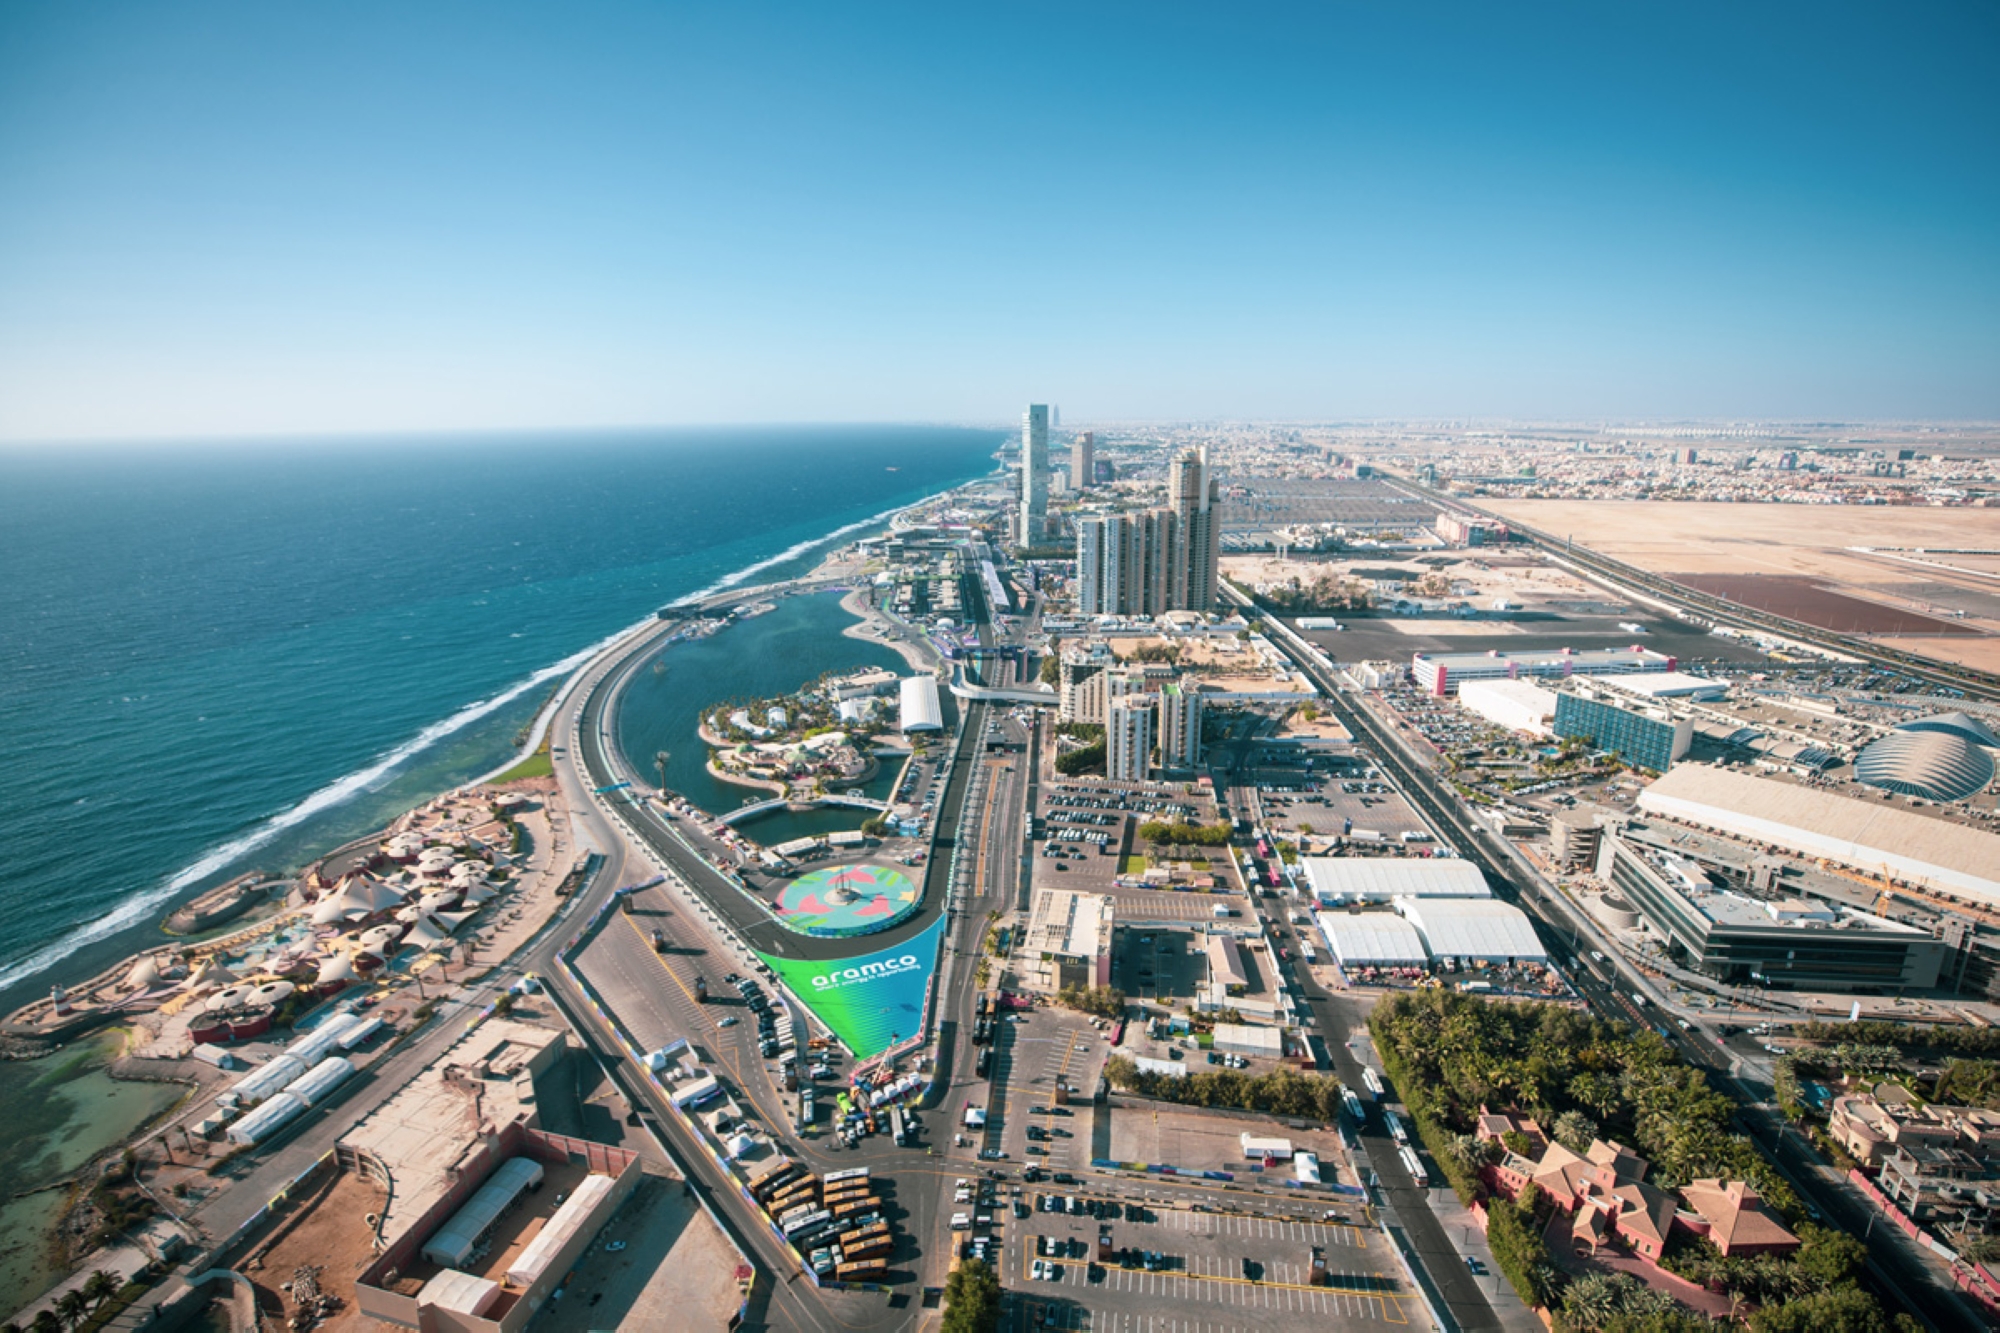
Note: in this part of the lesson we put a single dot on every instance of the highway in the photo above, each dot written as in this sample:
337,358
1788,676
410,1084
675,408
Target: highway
1611,989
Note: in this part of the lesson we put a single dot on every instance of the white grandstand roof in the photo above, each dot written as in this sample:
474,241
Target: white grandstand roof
1872,835
920,707
1378,879
1372,939
1466,928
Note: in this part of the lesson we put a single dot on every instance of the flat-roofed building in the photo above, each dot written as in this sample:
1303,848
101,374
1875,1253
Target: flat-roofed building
1638,733
1871,836
1225,965
1517,705
1244,1039
1668,685
1442,673
1068,942
1789,942
1128,737
1355,879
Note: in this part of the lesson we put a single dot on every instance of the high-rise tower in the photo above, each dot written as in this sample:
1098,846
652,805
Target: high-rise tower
1082,461
1195,496
1034,474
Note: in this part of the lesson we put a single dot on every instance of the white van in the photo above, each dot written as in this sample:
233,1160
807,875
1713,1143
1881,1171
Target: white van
961,1222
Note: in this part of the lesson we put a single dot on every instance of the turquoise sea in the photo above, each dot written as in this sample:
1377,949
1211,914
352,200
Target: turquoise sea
219,657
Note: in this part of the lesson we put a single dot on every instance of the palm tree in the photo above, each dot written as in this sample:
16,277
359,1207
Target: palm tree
1574,1130
660,758
46,1322
100,1288
72,1307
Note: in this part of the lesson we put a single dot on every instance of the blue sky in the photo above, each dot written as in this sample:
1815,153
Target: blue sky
245,219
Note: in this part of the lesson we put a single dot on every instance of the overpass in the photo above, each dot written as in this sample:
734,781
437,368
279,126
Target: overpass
989,694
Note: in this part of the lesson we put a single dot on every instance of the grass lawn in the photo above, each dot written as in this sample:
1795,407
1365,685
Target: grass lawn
1134,865
536,765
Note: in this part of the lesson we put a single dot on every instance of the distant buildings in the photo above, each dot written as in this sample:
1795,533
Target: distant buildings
1155,560
1083,461
1442,673
1034,474
1464,530
1195,496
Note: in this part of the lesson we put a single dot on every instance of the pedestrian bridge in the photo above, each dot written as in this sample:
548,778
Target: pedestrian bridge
743,812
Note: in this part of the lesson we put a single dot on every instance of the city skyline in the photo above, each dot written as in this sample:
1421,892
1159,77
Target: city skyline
234,222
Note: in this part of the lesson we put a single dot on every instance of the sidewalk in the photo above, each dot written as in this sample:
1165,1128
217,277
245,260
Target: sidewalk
1467,1237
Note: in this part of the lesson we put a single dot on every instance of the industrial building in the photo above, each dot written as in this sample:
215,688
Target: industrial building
1441,674
1468,930
1517,705
1338,880
1639,734
1372,939
919,706
1877,838
1243,1039
1778,941
1068,942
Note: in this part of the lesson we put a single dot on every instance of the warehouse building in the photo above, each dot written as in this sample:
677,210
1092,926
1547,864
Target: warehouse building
1474,930
1778,941
1338,880
1934,854
1243,1039
1442,673
1372,939
1517,705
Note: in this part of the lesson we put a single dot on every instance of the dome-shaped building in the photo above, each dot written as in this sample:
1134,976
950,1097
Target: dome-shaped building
1939,765
1962,725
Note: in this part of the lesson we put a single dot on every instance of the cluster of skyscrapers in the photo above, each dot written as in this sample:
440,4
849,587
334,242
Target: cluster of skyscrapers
1140,707
1154,560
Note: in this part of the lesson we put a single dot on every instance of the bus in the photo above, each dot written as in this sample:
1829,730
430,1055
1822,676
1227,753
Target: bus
1396,1130
791,1197
1264,848
863,1270
900,1126
774,1176
869,1232
849,1207
1418,1176
798,1226
1306,951
1271,876
853,1189
874,1247
834,1178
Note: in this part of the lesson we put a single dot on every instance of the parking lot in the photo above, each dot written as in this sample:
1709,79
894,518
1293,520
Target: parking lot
1086,829
1212,1270
1046,1047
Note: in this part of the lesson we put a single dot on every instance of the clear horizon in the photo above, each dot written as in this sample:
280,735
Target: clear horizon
227,221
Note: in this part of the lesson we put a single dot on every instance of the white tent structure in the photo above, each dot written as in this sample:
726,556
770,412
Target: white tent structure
211,975
339,967
145,973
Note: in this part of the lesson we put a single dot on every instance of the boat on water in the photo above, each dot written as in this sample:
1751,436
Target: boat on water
750,609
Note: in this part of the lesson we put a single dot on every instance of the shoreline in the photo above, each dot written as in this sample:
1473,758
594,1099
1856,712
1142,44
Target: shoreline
123,946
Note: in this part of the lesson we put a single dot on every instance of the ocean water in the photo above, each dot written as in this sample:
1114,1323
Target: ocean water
218,658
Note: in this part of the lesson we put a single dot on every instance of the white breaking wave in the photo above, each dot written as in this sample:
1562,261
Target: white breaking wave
744,575
137,908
